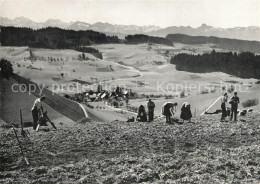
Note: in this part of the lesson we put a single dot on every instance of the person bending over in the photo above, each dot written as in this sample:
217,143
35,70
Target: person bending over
35,110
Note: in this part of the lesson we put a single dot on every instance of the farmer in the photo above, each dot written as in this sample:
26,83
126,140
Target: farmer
185,112
234,101
167,110
141,116
150,106
35,110
223,106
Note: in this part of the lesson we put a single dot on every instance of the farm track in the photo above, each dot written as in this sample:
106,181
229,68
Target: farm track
205,151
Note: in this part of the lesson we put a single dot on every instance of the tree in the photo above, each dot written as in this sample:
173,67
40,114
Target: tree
6,69
80,57
31,54
83,56
167,53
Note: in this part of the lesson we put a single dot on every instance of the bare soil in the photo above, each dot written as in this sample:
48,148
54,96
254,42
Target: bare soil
204,151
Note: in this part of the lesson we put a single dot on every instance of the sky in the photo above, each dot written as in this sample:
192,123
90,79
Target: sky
163,13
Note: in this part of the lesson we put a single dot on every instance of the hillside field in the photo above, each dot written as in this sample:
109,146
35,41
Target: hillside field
204,151
143,68
169,81
108,149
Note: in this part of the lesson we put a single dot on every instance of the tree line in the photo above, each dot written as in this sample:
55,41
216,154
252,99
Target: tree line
140,38
56,38
225,43
244,65
52,38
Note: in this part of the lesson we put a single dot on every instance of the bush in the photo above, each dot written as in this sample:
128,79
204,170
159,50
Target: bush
182,94
250,103
213,90
204,92
6,69
168,96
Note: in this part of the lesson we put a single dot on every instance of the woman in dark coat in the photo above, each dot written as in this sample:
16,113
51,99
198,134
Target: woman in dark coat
141,116
185,112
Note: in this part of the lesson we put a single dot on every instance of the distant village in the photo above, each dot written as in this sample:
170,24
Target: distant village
113,98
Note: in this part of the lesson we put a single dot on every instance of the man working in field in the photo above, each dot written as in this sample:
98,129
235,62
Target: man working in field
150,106
35,110
223,107
234,101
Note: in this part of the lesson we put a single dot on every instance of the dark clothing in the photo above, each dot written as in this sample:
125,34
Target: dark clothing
150,106
234,101
234,104
141,116
150,114
167,109
35,117
224,111
228,111
168,119
233,112
186,112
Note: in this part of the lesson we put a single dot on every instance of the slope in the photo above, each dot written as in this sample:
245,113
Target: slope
205,151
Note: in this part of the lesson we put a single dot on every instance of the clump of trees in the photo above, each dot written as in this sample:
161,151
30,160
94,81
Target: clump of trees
6,69
90,50
140,38
244,65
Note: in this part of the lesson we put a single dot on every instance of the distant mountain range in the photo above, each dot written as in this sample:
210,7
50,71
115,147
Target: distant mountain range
244,33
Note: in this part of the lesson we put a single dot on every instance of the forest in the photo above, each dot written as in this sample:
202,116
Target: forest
52,38
140,38
224,43
244,65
